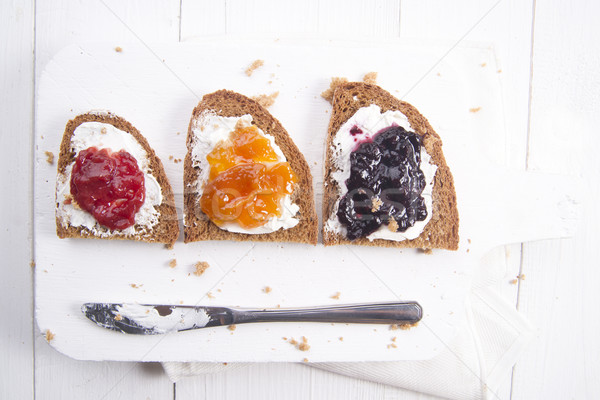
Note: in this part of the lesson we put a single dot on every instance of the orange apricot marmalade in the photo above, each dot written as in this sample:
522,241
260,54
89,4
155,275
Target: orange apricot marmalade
246,181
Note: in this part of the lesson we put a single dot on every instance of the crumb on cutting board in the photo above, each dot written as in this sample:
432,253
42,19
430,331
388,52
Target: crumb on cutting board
267,289
336,296
49,157
266,100
201,267
370,78
255,65
173,263
474,109
49,335
335,82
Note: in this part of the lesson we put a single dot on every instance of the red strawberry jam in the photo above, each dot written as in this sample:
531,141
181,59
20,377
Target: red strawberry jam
108,185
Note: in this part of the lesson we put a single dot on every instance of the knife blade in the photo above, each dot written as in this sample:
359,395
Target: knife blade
151,319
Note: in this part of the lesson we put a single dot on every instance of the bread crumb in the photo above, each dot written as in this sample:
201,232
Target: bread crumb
103,131
284,338
201,267
170,157
32,264
255,65
513,281
394,339
370,78
521,277
376,204
118,317
266,100
336,296
305,359
469,241
49,335
173,263
49,157
267,289
341,338
135,286
118,49
426,251
393,225
474,109
438,74
335,82
499,71
392,346
293,341
304,339
210,295
483,64
232,327
169,246
303,347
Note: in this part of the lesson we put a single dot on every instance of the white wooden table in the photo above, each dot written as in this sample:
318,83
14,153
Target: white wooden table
549,55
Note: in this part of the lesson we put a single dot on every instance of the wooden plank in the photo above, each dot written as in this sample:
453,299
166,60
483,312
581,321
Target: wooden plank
16,114
58,24
559,294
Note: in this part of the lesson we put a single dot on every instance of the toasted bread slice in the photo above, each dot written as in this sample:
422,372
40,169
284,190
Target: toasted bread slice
442,230
161,224
197,226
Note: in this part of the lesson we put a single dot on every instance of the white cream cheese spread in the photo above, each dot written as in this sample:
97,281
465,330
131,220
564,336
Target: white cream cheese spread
102,135
371,120
209,130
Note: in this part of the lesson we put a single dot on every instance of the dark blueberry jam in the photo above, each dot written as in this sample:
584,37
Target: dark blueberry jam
355,130
385,184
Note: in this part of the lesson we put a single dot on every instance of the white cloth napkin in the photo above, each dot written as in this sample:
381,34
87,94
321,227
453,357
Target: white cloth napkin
472,366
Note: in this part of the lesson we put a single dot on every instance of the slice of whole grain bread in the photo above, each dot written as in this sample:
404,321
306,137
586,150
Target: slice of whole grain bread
167,228
197,226
442,230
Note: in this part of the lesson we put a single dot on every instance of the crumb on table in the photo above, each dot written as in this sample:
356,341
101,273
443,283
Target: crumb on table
49,157
335,82
32,264
252,67
118,49
118,317
267,289
513,281
210,295
49,335
266,100
135,286
336,296
201,267
370,78
232,327
169,246
341,338
305,359
474,109
173,263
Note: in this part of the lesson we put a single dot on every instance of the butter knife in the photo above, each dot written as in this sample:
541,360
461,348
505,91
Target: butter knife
147,319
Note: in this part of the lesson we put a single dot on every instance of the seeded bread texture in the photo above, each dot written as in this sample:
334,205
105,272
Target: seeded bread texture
167,228
442,230
197,226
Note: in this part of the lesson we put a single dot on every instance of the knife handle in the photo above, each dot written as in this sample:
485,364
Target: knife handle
375,313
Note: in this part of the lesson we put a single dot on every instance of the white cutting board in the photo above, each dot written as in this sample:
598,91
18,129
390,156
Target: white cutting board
156,87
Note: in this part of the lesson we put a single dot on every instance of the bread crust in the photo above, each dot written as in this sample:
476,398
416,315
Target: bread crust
167,228
197,226
442,230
